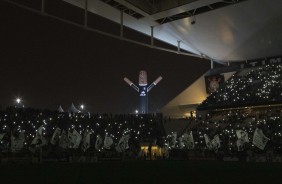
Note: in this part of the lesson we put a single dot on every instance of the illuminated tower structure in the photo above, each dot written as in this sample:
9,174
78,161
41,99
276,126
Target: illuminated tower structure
143,90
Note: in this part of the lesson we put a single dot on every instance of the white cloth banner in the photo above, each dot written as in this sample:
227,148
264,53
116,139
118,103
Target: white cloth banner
208,142
243,135
181,143
1,136
215,142
123,143
17,143
39,140
259,139
188,140
56,136
240,144
74,139
86,141
64,140
99,142
173,139
108,141
37,136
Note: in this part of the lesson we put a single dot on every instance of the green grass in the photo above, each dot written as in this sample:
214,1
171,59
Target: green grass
143,172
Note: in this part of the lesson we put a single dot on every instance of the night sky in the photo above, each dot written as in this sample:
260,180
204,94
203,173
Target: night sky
49,63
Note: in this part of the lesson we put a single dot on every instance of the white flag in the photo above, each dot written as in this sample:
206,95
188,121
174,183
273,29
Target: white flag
39,140
108,141
181,143
173,139
86,141
99,142
74,139
37,136
240,144
259,139
17,143
56,136
188,140
123,143
1,136
215,142
64,141
243,135
208,142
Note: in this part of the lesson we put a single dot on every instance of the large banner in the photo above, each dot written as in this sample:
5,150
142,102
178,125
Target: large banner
259,139
213,82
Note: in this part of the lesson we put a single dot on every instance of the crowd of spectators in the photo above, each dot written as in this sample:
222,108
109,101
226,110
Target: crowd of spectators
141,128
226,123
148,128
258,85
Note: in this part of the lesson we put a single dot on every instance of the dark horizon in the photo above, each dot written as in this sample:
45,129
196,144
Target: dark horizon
49,63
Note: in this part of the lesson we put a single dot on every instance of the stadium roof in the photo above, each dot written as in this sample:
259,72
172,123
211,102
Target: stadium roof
223,30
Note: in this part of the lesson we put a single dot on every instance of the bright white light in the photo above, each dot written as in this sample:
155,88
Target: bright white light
18,100
136,111
82,107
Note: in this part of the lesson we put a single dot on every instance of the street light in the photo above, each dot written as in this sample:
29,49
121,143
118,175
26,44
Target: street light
19,103
18,100
82,107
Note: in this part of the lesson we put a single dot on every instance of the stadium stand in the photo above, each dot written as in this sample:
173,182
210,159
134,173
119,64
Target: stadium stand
255,86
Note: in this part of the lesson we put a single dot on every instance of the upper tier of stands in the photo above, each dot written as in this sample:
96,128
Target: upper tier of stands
256,86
